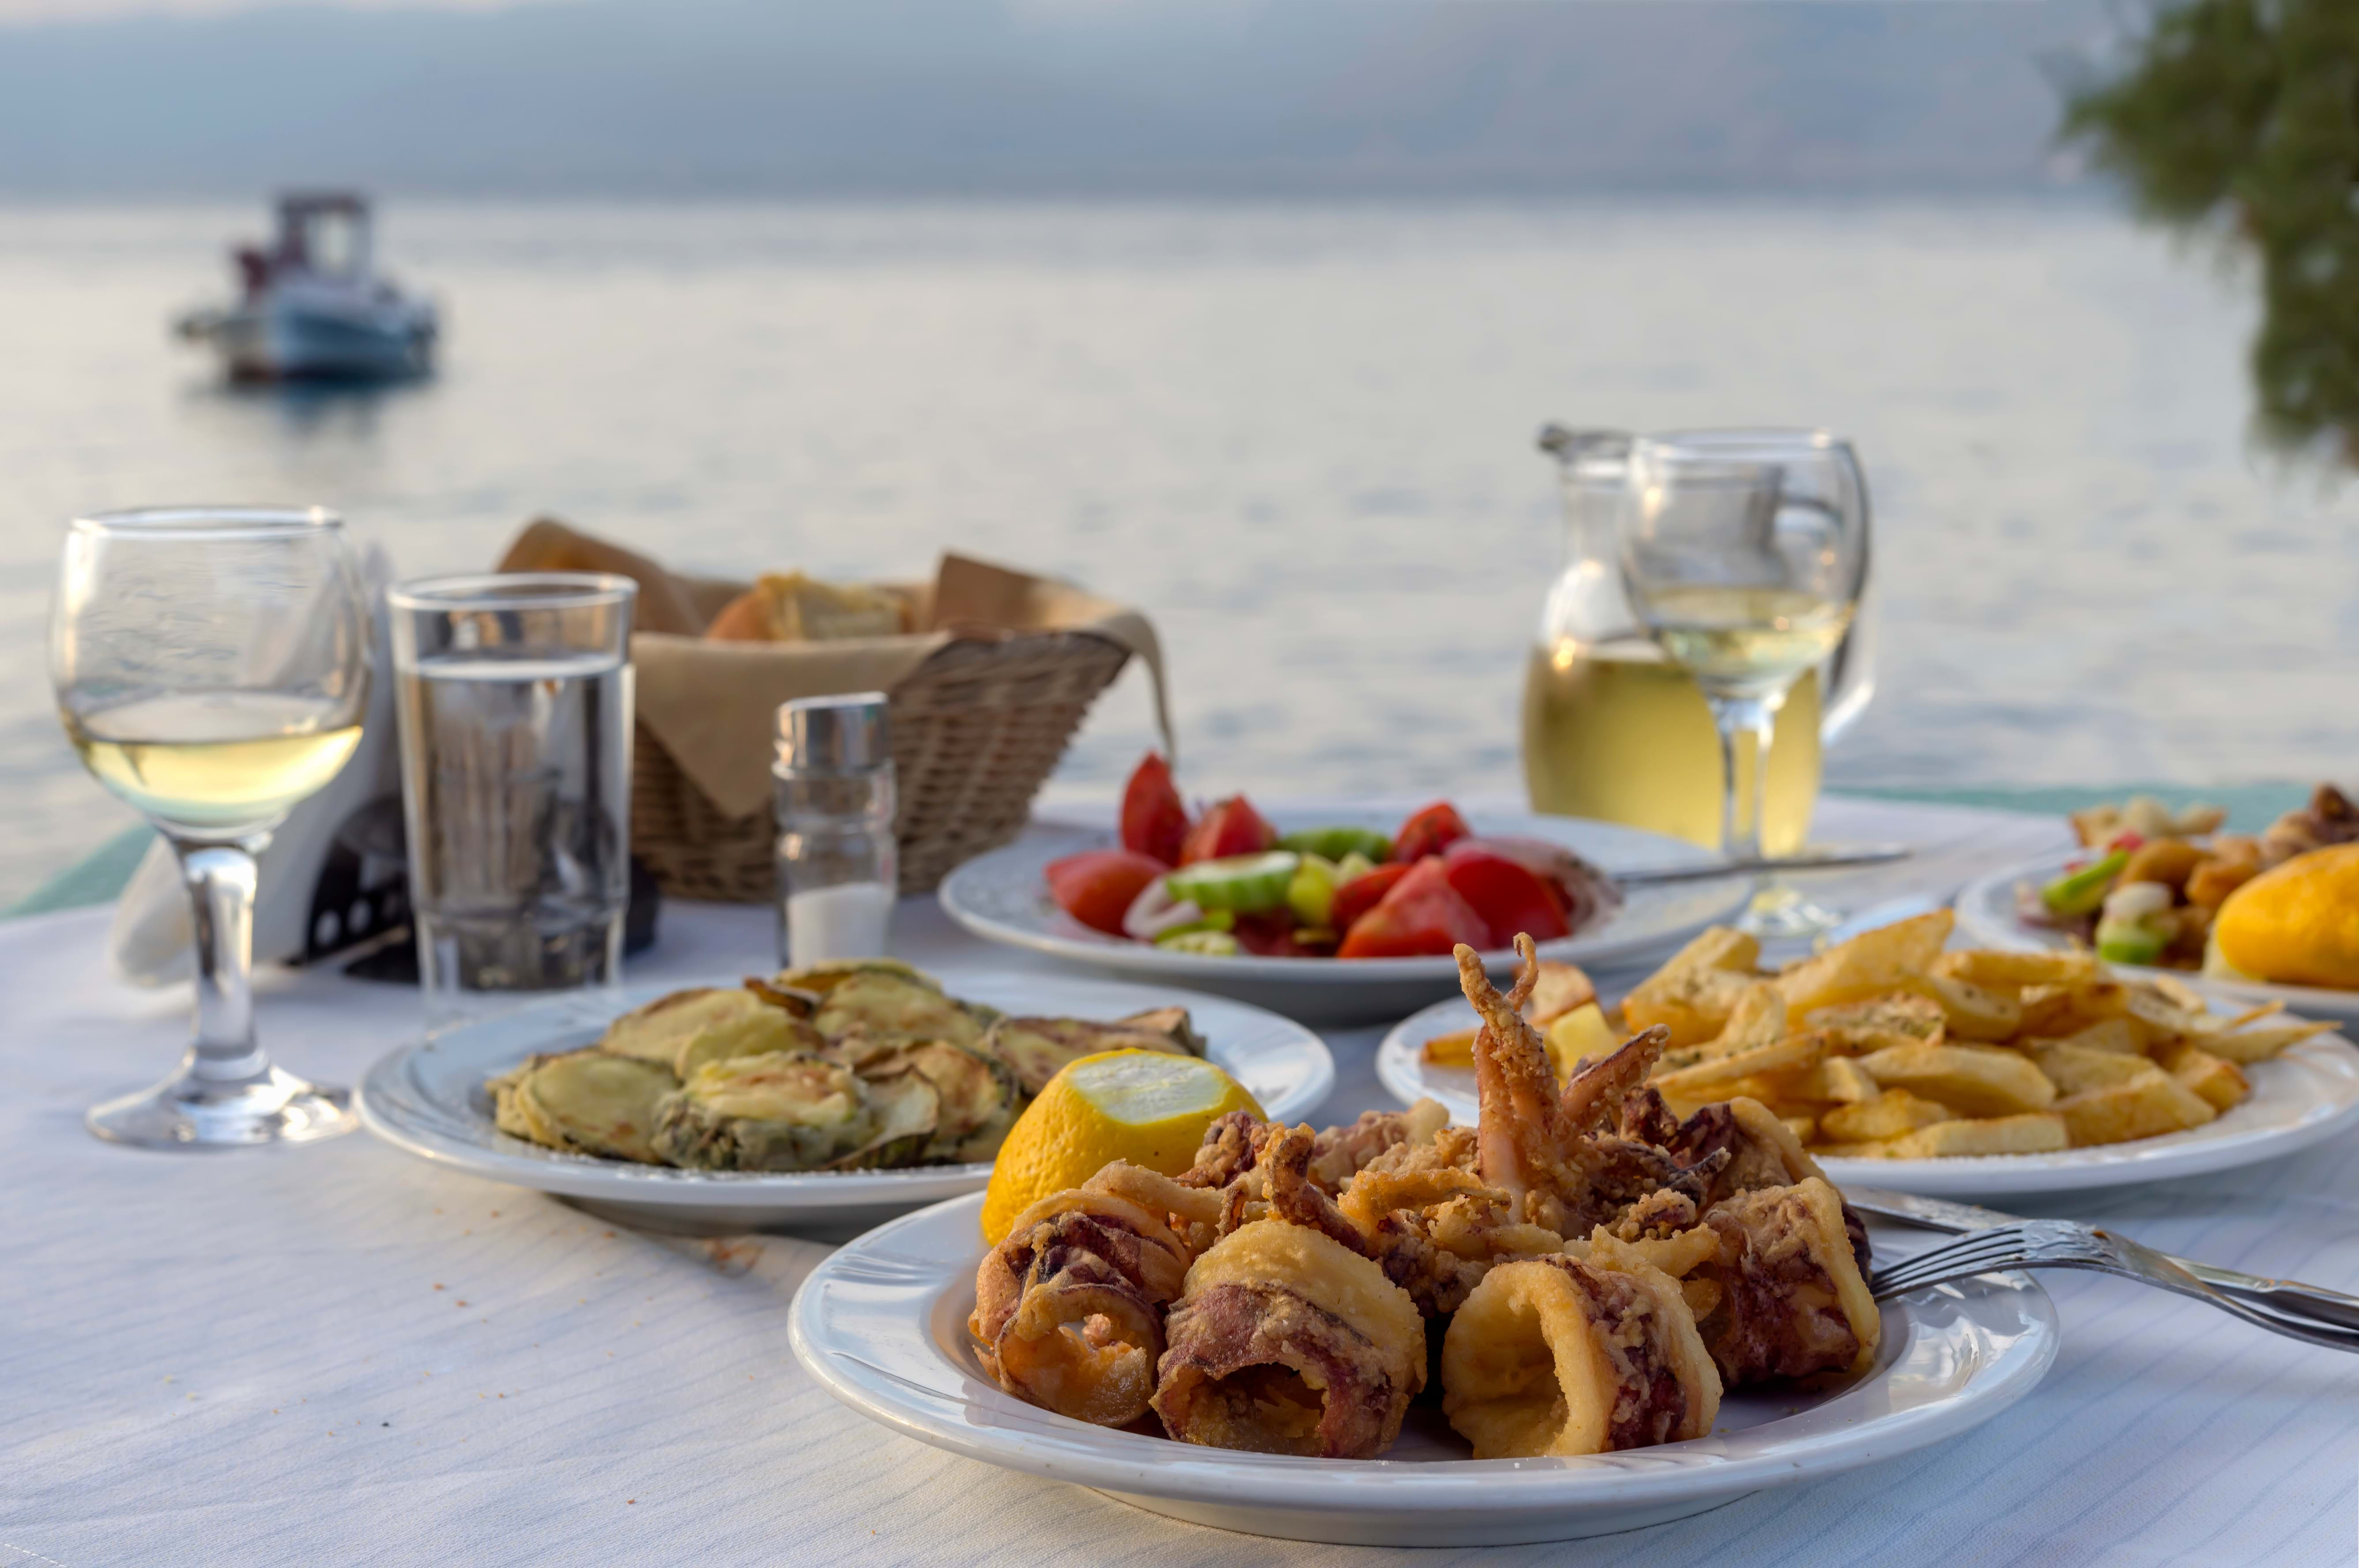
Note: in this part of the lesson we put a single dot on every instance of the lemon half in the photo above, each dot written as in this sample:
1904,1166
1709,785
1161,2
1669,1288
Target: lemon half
2297,924
1140,1105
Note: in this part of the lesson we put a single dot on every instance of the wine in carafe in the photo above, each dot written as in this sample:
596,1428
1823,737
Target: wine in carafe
1614,731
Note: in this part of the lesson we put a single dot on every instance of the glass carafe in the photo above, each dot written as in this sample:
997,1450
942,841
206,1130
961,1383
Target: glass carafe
1611,730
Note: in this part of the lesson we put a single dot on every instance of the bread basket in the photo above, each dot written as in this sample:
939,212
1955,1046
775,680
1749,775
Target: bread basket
984,699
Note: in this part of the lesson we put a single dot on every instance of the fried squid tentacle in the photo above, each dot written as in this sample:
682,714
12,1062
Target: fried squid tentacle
1559,1355
1286,1340
1069,1308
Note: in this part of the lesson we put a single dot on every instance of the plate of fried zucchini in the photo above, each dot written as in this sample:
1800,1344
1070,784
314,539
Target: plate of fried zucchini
828,1097
1973,1072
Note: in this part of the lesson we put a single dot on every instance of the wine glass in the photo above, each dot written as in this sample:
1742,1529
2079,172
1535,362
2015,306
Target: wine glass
1744,553
211,669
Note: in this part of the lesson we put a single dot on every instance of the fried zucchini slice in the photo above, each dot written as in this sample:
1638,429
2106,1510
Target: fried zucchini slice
585,1102
781,1111
1036,1050
906,1107
758,1033
979,1096
886,1005
655,1032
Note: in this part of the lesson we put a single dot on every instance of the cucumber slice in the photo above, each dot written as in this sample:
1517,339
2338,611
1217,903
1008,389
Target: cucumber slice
2082,892
1334,843
1242,884
1211,944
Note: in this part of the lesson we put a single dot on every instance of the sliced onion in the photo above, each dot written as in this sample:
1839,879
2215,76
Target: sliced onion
1155,912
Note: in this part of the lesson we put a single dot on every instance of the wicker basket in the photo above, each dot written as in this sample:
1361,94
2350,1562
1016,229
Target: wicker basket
977,728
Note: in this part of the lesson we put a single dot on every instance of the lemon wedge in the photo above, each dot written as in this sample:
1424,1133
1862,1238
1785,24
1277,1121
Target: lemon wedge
2296,924
1138,1106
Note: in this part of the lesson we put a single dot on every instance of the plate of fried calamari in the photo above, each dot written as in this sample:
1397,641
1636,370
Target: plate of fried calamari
1974,1073
1582,1315
837,1095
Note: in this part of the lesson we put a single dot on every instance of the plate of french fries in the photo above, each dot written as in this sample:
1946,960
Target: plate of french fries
1968,1072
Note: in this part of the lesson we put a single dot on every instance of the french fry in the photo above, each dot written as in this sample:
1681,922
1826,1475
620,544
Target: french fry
1559,989
1794,1052
2036,1132
2073,1068
1981,1081
1868,964
2052,1011
2220,1081
1579,1035
1831,1080
2259,1044
1889,1115
1454,1049
1694,1006
2119,1035
1803,1126
1972,1012
2011,971
1854,1029
2146,1107
1875,1148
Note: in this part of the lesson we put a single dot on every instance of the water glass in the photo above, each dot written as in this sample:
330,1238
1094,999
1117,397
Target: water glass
514,692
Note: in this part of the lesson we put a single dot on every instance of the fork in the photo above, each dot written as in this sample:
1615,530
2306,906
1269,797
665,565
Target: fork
2284,1297
2061,1243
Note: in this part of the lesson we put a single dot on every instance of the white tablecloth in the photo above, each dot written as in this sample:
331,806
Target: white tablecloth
337,1353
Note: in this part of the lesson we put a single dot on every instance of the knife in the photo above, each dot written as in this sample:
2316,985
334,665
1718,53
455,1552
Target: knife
2289,1296
1825,860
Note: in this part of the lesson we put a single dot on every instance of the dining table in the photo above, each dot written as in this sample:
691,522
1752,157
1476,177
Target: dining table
337,1353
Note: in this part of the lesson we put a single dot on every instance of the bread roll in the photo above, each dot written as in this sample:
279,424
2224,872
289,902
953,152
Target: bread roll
792,607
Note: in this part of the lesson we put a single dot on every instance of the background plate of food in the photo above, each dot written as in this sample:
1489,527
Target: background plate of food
1342,912
883,1325
831,1097
1970,1074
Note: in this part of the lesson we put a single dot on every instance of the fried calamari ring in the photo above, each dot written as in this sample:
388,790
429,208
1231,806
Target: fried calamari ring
1286,1340
1068,1309
1792,1300
1559,1356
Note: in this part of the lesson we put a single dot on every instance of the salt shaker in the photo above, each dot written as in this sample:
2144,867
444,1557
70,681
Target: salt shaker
838,867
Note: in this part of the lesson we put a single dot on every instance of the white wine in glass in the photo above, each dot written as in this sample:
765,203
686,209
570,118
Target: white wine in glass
211,669
1744,553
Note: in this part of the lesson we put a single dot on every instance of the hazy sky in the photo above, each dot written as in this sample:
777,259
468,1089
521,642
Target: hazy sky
92,10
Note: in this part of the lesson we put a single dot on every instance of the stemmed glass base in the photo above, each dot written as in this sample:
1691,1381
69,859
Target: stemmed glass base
1781,911
192,1108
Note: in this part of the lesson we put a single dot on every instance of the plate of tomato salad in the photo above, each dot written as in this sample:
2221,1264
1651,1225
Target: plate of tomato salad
1332,908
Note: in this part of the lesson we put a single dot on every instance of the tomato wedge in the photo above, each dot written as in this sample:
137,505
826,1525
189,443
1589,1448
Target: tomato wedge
1153,818
1503,892
1363,893
1233,827
1422,914
1098,885
1429,832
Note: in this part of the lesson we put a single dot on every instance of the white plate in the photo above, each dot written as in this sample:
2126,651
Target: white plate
2310,1093
1987,918
1003,897
428,1098
882,1326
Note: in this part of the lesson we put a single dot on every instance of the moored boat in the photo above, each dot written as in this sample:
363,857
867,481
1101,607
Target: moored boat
311,307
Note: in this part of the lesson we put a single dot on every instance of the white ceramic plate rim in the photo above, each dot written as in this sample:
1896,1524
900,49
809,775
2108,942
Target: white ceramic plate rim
898,1279
2331,1063
1986,910
393,1103
1611,845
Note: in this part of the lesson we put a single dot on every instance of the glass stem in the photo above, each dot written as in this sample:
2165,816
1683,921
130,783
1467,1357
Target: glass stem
220,876
1740,822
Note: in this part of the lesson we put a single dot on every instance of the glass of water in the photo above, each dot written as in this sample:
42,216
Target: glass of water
211,666
515,696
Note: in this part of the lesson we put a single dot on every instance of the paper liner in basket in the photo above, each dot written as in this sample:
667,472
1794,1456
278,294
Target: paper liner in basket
713,704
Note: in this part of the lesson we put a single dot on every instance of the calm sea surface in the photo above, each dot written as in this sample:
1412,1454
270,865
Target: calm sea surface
1300,437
